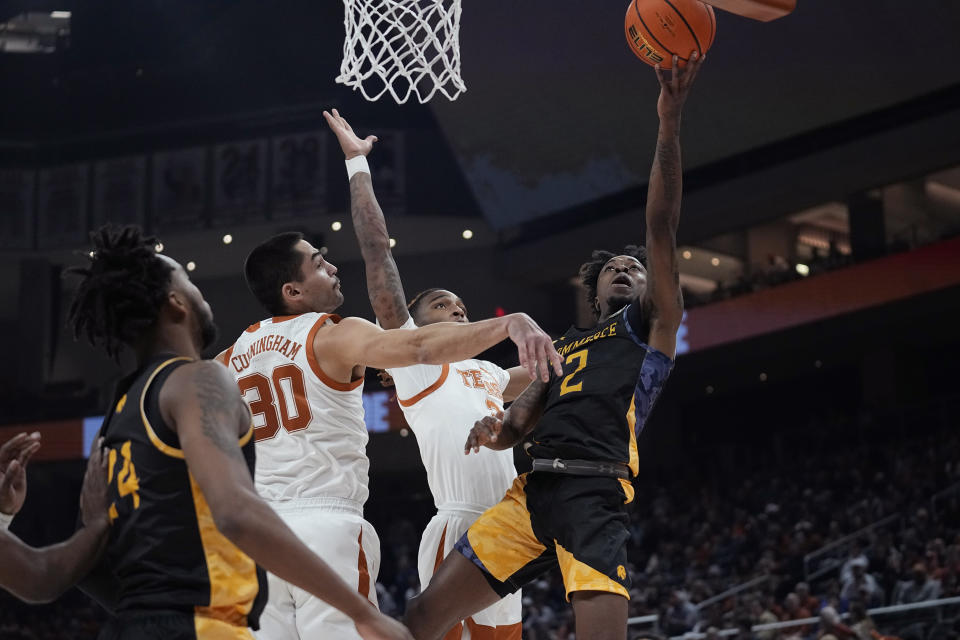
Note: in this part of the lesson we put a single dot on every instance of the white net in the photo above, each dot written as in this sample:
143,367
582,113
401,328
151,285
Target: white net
402,47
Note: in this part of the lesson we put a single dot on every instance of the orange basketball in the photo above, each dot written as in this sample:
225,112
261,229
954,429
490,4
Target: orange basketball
657,29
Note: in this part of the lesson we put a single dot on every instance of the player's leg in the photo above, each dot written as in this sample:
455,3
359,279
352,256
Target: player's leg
278,620
504,618
600,615
498,553
437,542
347,543
591,523
457,590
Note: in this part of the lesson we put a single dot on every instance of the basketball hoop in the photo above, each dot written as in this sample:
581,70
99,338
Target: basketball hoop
402,47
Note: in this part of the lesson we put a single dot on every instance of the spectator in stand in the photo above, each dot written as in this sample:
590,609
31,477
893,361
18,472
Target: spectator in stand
680,615
856,555
832,627
862,585
861,622
807,601
918,589
793,611
760,613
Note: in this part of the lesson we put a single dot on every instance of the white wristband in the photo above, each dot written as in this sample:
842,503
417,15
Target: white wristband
357,165
5,520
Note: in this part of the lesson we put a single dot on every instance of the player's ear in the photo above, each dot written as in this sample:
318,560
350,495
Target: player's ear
290,291
177,304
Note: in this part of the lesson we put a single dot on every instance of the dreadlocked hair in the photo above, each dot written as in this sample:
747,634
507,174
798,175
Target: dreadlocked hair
122,290
590,270
414,304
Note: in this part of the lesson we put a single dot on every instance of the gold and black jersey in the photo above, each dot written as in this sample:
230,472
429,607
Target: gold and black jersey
164,550
611,380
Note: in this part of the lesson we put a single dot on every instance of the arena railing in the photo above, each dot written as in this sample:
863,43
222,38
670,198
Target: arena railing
813,567
886,615
720,597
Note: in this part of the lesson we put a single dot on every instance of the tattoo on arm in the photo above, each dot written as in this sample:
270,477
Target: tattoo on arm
383,279
663,216
216,410
526,410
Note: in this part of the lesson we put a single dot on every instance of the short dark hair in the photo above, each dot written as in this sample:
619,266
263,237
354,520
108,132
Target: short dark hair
123,288
590,270
269,266
414,305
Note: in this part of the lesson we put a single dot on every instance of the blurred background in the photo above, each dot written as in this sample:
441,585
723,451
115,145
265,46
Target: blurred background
805,452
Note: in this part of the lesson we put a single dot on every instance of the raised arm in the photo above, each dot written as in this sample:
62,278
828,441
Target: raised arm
663,208
504,432
202,402
41,575
383,279
355,341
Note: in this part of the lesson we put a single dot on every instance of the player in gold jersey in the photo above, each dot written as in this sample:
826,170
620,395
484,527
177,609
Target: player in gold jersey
580,428
187,523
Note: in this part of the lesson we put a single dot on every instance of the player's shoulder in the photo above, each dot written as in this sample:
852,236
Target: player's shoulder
191,373
349,323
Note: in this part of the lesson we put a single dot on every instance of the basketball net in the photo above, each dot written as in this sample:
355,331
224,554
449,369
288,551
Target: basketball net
402,47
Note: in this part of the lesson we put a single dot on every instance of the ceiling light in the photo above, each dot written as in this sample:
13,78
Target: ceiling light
393,243
687,254
337,225
803,269
715,262
467,234
227,239
159,247
191,265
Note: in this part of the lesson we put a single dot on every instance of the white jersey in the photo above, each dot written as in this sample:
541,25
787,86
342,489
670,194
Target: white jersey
441,404
310,432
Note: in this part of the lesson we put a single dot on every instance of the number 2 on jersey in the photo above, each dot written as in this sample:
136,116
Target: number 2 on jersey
294,410
565,386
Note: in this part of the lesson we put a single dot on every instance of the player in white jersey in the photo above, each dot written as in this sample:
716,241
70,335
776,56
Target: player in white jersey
440,402
301,371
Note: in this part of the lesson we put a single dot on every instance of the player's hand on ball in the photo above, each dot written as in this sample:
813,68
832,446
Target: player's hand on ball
351,144
93,496
380,627
485,430
674,91
14,455
534,346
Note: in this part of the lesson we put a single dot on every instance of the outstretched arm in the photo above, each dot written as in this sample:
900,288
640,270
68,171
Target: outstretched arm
663,208
202,402
383,279
505,431
354,341
41,575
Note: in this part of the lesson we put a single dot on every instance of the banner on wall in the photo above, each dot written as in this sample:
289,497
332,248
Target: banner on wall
119,191
179,189
62,206
17,188
298,185
239,182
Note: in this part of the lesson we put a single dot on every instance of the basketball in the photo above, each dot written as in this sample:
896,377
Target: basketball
658,29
